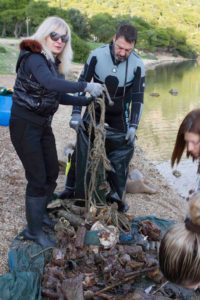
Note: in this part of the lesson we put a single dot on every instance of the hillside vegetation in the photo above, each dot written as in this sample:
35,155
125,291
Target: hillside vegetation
169,25
182,15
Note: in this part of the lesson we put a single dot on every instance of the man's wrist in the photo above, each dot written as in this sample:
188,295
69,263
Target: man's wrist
133,126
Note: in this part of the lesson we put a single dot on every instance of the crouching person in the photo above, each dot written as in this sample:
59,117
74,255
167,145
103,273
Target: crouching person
179,254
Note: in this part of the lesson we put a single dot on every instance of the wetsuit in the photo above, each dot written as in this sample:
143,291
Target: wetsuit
125,83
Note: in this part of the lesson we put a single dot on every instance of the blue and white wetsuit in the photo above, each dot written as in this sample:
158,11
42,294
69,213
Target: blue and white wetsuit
125,82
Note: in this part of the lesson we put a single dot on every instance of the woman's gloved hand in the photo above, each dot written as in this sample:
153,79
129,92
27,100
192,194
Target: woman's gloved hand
130,136
94,89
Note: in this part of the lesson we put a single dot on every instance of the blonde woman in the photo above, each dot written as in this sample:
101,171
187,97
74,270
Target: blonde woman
179,254
40,87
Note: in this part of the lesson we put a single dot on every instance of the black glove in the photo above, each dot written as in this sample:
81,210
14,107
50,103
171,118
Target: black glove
76,121
89,100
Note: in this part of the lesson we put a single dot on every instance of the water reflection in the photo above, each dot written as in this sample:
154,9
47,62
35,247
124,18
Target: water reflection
162,116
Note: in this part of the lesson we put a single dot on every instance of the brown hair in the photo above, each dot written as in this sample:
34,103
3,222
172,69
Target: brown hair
191,123
179,254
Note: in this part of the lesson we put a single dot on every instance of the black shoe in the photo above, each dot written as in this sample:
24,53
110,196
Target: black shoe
42,239
124,207
80,203
68,193
114,198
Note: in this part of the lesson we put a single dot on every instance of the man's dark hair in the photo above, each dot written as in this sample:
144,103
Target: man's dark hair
127,31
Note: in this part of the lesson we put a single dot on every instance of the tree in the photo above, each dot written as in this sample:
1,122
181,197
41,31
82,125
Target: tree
79,23
12,20
103,27
37,12
80,48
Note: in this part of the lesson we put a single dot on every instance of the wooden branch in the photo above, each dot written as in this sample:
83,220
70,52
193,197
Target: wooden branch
139,272
127,278
104,296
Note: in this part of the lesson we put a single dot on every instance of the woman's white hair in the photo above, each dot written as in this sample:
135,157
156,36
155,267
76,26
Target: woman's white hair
49,25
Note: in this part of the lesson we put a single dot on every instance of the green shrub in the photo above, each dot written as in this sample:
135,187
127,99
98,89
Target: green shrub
103,27
79,22
186,51
80,48
2,50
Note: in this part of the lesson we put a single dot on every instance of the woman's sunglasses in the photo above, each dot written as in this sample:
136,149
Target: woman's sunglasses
55,37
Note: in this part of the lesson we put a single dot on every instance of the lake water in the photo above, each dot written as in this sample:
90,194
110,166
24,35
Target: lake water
162,116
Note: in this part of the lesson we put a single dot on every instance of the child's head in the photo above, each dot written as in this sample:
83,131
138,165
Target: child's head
179,254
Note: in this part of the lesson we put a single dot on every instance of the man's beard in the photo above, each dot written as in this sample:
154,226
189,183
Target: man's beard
120,58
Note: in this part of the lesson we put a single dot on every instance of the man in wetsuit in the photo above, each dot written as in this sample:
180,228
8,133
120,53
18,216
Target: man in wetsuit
122,71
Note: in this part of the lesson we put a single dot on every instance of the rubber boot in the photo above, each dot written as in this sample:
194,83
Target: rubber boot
67,193
117,192
46,219
35,208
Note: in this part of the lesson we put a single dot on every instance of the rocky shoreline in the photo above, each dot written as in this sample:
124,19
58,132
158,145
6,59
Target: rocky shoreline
162,59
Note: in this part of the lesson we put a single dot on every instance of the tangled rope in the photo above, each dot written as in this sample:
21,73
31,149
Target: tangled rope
96,159
96,156
110,216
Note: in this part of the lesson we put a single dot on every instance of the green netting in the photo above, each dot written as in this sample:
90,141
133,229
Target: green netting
26,264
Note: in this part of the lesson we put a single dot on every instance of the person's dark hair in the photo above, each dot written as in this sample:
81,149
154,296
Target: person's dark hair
179,253
127,31
191,123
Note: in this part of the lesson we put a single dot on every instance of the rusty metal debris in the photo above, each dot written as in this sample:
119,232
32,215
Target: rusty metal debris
104,268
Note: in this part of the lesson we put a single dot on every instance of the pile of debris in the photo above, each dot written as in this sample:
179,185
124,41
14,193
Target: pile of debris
104,254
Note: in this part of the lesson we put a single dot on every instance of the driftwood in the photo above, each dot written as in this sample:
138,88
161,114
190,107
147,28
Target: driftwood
73,288
80,237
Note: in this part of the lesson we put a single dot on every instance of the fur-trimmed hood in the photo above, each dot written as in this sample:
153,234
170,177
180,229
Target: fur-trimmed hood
31,45
27,47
